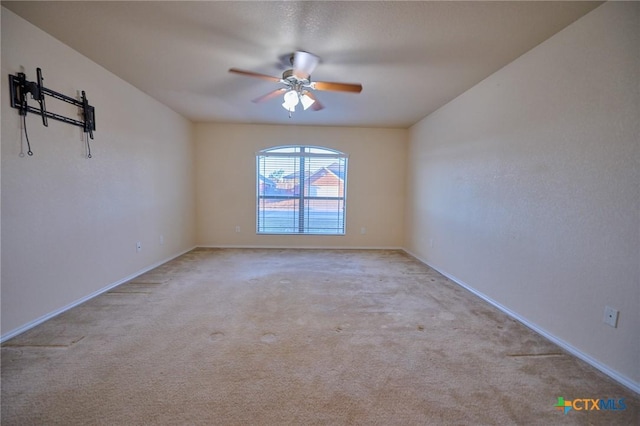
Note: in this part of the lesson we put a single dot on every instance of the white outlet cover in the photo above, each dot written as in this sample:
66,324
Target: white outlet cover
610,316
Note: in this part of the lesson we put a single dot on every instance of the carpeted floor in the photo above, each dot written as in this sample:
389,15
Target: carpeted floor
300,337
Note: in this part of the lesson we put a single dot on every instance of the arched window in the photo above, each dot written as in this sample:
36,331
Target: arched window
301,190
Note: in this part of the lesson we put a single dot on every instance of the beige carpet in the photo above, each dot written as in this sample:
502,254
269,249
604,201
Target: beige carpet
296,337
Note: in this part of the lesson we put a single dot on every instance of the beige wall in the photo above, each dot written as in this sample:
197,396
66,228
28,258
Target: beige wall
70,224
527,187
226,183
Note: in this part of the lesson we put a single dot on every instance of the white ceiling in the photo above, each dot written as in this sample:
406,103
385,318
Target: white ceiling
410,57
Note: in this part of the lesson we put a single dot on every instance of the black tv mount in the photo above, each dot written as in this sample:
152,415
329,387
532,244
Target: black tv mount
19,87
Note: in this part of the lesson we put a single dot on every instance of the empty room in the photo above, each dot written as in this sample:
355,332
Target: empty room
320,212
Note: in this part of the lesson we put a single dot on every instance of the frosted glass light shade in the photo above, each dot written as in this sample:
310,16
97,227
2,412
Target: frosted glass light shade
306,101
290,100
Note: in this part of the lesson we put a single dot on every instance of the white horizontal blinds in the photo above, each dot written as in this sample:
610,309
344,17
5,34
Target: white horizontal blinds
324,195
278,204
301,190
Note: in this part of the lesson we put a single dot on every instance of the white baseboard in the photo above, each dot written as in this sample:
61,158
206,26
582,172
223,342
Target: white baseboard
620,378
31,324
302,247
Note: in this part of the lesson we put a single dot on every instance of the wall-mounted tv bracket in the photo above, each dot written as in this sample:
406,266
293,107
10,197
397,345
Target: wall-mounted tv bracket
19,87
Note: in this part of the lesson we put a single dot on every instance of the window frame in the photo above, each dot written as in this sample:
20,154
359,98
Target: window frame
302,197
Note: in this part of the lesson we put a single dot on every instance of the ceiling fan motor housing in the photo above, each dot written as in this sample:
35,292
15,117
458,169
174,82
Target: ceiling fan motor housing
289,77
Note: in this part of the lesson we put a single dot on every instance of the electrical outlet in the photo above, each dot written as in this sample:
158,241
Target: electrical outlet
431,242
610,316
161,239
138,246
363,230
237,228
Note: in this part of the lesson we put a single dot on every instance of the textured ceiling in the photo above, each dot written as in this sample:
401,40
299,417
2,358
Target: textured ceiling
410,57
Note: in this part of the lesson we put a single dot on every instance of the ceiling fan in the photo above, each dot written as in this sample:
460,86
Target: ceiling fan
298,87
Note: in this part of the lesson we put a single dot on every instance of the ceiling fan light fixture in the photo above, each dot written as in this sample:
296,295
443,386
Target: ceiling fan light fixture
306,101
291,99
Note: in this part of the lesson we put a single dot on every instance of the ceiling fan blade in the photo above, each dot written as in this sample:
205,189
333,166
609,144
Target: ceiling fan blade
254,74
304,63
316,105
270,95
337,87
